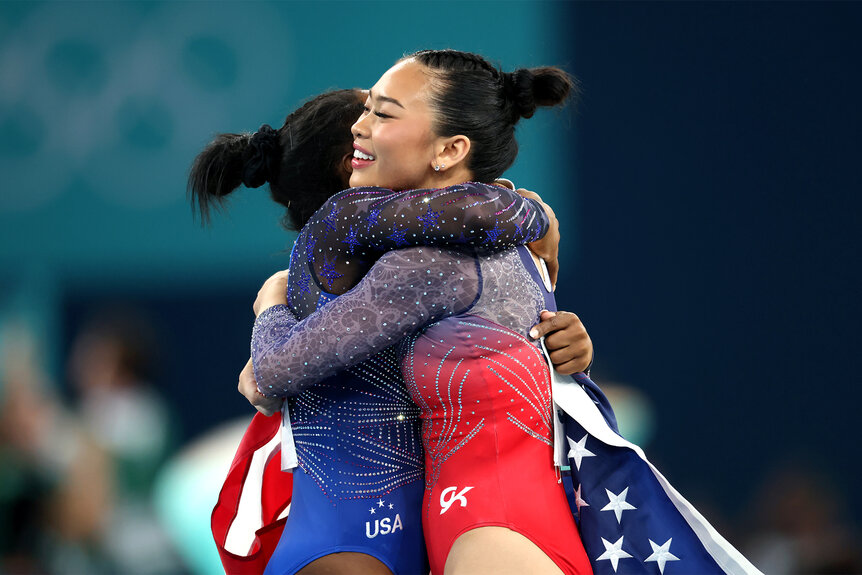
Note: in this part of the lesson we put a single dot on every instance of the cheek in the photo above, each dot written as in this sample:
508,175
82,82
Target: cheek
405,147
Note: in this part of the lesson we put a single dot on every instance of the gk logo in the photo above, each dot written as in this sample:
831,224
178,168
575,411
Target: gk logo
445,503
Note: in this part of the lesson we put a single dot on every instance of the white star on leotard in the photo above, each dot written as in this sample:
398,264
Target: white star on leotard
618,503
613,552
380,503
661,555
578,501
578,450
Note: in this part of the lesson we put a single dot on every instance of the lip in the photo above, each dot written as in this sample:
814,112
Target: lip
358,164
361,149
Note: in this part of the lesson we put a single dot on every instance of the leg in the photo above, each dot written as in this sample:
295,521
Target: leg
497,551
345,564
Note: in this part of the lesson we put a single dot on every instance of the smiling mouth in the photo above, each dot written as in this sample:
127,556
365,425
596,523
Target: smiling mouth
362,156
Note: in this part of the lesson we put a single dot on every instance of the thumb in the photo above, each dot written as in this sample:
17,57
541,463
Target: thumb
545,326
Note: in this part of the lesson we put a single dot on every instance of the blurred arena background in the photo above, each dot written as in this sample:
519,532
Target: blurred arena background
707,186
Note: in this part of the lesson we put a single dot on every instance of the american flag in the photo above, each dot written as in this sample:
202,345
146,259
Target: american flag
630,517
254,501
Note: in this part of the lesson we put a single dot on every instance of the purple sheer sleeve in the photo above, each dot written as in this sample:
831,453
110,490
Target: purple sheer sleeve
354,227
404,291
475,214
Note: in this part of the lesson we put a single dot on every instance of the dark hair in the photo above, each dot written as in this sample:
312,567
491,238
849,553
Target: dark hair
473,98
301,160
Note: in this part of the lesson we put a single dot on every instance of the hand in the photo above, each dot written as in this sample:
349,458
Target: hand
504,183
548,247
567,340
248,387
272,292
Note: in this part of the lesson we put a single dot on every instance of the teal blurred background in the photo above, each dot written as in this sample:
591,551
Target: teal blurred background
103,107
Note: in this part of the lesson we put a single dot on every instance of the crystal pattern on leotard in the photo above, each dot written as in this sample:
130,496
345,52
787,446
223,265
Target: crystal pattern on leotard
510,296
355,432
355,227
362,418
403,291
449,365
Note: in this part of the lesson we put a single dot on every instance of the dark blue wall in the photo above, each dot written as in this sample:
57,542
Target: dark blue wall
718,270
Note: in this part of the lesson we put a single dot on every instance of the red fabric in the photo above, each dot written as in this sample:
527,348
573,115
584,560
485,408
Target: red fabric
485,396
275,493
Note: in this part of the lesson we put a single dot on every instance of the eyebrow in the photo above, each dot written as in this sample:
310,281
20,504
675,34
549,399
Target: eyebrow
386,99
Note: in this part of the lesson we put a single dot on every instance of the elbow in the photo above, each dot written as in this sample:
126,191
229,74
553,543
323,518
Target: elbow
272,378
277,383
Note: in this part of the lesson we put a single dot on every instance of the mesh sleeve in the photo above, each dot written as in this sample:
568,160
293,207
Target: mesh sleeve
484,216
404,291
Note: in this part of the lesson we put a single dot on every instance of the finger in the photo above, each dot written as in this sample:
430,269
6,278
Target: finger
569,367
553,270
529,194
571,336
264,410
552,216
272,405
268,408
545,327
504,183
570,353
545,314
557,328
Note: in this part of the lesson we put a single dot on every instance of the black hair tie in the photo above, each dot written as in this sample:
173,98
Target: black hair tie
518,88
510,89
261,157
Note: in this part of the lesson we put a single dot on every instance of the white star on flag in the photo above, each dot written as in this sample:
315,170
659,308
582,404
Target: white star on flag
661,554
613,552
578,450
578,501
618,503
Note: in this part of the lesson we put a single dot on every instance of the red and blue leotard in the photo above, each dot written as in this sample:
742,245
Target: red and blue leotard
482,387
359,482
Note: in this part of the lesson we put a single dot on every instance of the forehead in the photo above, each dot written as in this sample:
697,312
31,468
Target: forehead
406,81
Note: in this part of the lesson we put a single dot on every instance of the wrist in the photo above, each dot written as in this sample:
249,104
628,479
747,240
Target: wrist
269,304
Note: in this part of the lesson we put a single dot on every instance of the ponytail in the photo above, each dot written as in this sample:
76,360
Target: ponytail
302,161
216,172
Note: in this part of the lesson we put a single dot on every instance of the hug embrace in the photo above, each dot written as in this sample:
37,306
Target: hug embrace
435,410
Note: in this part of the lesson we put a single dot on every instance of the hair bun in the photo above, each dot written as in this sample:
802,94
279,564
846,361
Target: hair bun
519,90
261,158
529,88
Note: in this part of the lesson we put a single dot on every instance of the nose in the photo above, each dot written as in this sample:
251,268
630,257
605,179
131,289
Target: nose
360,129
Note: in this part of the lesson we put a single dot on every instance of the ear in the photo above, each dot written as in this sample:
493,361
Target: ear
450,152
346,166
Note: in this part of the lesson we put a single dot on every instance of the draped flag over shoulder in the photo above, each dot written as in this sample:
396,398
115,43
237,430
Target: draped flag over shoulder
630,518
252,507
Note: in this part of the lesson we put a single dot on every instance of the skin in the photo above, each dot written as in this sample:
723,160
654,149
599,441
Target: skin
395,130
